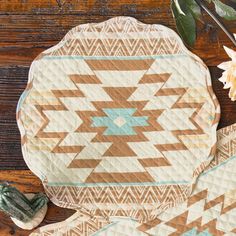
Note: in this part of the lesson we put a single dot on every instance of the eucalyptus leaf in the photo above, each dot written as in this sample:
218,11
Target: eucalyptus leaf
194,8
225,11
185,24
178,8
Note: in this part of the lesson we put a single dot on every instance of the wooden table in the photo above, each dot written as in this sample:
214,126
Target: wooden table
27,27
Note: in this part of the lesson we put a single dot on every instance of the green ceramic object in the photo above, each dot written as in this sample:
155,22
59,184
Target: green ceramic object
17,205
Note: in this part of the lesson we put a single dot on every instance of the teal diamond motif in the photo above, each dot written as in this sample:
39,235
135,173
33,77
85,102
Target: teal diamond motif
119,121
193,232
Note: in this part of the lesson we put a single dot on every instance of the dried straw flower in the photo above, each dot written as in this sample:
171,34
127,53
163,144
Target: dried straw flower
229,75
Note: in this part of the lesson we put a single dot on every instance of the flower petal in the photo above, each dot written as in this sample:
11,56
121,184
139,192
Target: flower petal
227,85
222,79
224,65
231,53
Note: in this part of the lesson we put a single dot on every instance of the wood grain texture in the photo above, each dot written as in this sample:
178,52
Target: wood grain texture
27,27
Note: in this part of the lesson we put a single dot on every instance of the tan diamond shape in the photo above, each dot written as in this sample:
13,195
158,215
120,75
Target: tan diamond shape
119,121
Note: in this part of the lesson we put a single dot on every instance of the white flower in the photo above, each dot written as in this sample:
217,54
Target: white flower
229,75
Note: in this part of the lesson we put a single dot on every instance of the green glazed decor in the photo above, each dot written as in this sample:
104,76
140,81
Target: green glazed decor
18,206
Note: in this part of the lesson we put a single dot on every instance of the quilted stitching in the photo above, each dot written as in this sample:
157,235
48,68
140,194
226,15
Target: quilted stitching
119,65
210,210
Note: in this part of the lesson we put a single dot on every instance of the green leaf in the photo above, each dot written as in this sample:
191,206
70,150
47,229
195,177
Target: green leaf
185,24
178,8
224,10
194,8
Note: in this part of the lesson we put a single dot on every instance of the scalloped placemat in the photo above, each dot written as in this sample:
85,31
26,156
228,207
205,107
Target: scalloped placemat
119,119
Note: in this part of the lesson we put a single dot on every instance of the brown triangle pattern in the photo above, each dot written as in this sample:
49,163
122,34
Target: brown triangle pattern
120,96
119,146
179,223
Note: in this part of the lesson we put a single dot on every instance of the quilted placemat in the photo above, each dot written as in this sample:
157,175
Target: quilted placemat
119,119
209,211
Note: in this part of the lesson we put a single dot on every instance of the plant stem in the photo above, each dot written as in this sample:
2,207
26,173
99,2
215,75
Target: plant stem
203,6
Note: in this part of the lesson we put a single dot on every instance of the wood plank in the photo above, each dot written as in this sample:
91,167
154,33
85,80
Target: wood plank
23,180
147,7
12,83
80,7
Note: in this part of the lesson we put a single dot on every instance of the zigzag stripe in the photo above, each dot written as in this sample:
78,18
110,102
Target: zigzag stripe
152,41
180,92
61,107
118,47
111,200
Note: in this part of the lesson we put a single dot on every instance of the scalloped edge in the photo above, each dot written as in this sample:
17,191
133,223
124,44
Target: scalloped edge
111,20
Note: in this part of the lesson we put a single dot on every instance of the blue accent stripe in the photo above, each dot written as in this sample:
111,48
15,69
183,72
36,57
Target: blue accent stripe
119,184
118,220
140,184
115,57
218,166
104,228
21,100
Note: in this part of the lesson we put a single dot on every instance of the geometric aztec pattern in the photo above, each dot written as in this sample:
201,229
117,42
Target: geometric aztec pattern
124,131
119,119
158,197
210,210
